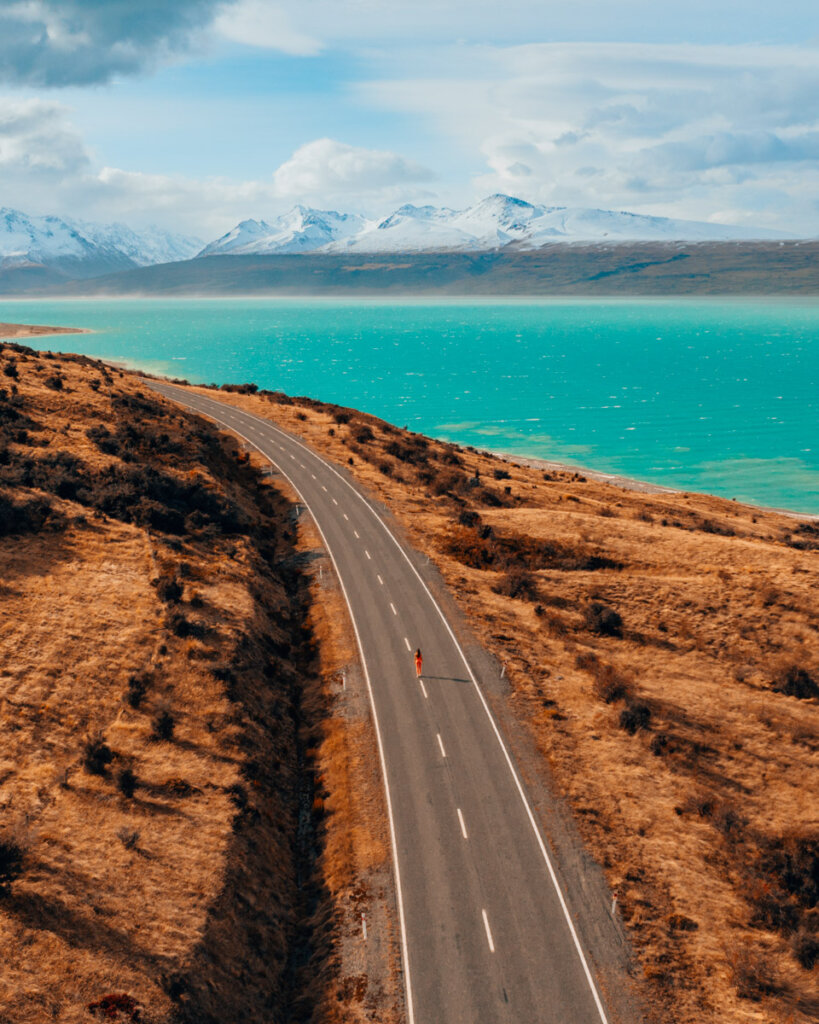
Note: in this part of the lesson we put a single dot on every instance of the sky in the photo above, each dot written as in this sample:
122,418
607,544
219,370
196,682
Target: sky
195,114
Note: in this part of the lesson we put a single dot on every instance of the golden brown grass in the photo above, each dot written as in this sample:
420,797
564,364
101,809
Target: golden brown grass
696,786
183,896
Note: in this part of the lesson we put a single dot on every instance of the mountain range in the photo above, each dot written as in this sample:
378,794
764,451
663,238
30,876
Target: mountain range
76,249
497,222
47,250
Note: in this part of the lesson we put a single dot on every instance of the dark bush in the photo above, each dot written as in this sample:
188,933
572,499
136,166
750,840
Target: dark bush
54,381
169,589
362,433
511,550
385,468
805,948
103,439
137,688
753,977
12,856
26,517
517,583
341,417
636,715
468,518
163,725
126,782
179,625
602,620
116,1006
500,474
97,755
10,369
608,685
795,681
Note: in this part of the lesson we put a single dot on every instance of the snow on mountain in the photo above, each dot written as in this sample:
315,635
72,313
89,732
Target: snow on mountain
493,223
300,230
147,247
79,249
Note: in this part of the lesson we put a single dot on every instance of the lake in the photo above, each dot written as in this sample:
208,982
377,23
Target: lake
709,395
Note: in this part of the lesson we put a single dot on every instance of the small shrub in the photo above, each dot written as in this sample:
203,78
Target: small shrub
519,584
752,976
602,620
55,382
468,518
608,685
385,468
126,782
116,1006
163,726
341,417
179,625
129,837
169,589
805,948
137,688
795,681
97,755
635,716
10,369
12,857
501,474
362,434
301,416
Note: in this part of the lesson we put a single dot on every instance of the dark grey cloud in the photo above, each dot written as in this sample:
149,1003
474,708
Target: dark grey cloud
83,42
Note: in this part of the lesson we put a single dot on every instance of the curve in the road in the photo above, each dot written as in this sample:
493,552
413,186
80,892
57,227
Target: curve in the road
473,887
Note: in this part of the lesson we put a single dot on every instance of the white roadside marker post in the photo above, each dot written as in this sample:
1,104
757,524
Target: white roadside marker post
364,925
503,670
613,904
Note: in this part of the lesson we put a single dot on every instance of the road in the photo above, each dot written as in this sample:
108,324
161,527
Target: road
486,932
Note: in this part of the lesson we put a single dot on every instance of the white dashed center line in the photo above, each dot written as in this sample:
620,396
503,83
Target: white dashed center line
367,553
313,475
356,535
441,744
379,579
423,689
391,604
488,932
334,501
346,516
463,827
323,487
407,643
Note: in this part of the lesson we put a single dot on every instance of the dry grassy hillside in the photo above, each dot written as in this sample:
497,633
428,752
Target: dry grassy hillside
662,650
163,842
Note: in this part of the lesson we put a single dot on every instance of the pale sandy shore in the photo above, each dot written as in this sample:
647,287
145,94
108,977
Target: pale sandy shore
15,331
630,484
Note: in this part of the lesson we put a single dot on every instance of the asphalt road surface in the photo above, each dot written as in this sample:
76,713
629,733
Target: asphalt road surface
487,933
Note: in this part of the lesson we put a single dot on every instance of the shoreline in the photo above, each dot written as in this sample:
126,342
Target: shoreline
12,332
643,486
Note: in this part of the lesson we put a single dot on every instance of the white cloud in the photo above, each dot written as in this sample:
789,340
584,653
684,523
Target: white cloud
46,167
328,169
256,23
683,130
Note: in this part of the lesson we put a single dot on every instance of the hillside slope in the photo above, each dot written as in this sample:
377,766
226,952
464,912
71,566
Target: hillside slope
661,652
168,744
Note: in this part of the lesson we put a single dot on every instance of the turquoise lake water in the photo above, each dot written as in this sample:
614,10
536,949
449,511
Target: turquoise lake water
707,395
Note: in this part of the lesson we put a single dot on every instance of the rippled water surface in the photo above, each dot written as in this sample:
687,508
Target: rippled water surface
717,396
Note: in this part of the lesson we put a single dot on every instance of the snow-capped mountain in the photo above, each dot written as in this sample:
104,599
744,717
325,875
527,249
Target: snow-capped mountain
78,249
493,223
300,230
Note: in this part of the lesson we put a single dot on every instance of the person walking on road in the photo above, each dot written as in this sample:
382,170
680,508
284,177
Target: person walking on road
419,662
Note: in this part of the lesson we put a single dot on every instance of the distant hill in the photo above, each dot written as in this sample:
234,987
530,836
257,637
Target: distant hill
640,268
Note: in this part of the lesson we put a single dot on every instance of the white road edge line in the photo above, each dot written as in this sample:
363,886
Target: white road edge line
441,744
396,868
488,932
519,785
463,827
